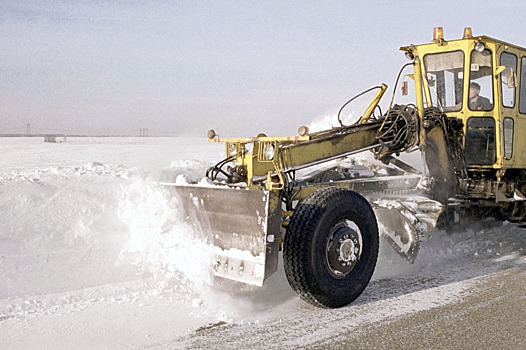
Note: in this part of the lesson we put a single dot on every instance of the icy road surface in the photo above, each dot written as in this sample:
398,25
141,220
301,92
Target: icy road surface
94,255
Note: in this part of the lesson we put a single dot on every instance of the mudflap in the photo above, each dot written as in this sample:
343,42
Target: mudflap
404,223
243,225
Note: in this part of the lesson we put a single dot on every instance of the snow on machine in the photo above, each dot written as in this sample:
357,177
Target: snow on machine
303,196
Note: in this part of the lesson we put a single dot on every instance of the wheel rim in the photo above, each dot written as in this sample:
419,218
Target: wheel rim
344,248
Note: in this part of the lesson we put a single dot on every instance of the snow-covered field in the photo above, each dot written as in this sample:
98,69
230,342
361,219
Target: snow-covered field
93,255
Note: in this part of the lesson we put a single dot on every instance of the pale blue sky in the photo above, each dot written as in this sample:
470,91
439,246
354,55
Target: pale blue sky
240,67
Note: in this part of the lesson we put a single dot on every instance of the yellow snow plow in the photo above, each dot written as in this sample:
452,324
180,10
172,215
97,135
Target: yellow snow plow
325,211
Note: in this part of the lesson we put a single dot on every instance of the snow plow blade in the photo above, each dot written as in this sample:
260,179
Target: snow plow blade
242,225
404,223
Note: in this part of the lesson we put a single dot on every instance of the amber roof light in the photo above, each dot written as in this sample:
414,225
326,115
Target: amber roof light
438,34
468,33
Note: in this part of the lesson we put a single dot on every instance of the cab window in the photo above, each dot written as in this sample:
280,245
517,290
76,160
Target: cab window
522,98
480,81
480,141
445,79
507,78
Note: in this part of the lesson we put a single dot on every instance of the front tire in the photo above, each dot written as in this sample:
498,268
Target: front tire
331,247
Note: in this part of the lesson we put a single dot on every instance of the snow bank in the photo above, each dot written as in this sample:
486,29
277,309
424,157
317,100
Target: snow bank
59,229
104,227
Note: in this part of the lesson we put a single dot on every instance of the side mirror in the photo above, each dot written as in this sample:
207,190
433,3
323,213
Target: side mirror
509,74
404,88
405,84
511,79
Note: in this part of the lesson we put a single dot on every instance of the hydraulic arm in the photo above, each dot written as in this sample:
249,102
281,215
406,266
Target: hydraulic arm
262,161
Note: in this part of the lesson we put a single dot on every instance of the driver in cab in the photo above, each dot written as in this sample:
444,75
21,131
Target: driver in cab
477,102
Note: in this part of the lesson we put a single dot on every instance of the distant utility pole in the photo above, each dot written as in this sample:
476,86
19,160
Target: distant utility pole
28,131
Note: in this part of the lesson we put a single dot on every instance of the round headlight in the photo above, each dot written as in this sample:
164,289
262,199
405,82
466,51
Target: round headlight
268,151
479,46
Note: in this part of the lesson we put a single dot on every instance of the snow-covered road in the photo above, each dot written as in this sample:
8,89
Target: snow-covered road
93,256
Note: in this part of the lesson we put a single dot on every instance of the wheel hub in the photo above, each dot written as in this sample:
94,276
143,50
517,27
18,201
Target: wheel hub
344,248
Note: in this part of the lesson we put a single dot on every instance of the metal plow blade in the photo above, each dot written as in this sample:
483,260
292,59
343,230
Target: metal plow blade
243,225
405,217
404,223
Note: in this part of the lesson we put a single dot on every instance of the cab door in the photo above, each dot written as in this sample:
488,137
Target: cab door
512,152
519,142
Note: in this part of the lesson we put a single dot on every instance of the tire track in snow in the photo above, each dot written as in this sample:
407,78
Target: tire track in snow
451,269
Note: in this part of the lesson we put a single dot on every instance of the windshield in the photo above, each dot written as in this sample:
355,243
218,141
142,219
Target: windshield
445,78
